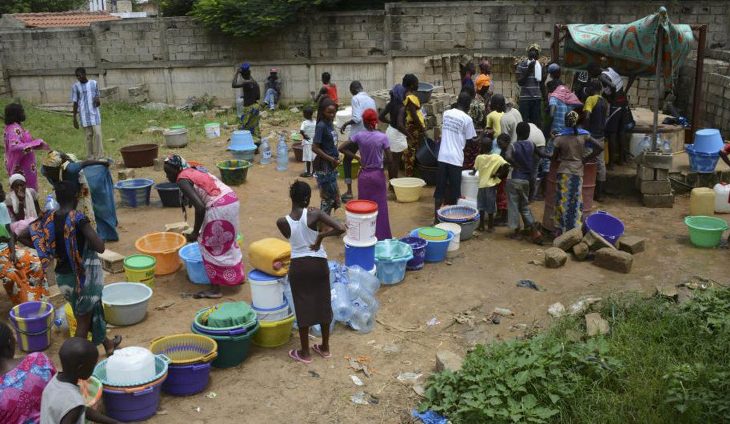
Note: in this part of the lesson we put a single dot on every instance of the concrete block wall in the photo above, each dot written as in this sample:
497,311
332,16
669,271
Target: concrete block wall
715,107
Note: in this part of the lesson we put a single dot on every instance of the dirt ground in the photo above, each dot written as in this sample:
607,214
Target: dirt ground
270,387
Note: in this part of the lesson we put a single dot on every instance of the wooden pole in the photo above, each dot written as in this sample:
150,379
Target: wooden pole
659,84
698,95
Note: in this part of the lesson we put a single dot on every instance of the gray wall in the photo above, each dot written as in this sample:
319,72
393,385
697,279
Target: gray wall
177,58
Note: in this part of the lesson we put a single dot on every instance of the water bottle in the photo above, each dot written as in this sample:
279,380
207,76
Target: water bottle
51,204
363,279
341,306
362,321
316,330
666,146
265,151
282,154
60,323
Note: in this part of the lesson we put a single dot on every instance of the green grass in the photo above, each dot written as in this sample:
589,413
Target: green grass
661,363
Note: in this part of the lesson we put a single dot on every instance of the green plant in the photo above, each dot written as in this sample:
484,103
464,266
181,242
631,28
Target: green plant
250,18
176,7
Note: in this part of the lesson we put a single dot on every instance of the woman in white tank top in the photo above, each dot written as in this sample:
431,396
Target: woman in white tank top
309,271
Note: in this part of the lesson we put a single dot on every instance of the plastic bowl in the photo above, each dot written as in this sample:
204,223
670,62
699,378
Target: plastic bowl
705,231
139,155
183,349
708,140
703,163
606,225
169,194
435,249
407,189
193,260
125,303
135,192
164,247
233,172
274,333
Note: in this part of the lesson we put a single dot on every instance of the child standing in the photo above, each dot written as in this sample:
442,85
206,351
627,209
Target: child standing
307,131
492,169
523,156
62,401
309,272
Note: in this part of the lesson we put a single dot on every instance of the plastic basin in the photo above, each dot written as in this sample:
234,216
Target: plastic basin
161,364
705,231
392,271
242,140
606,225
298,152
232,350
708,140
169,194
200,324
186,380
176,137
457,213
233,172
32,323
164,247
435,249
193,260
125,303
418,246
247,155
407,189
185,349
139,155
273,314
135,192
274,333
703,163
133,404
91,390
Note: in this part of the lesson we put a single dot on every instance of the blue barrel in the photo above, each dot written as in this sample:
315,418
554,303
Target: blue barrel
419,252
364,256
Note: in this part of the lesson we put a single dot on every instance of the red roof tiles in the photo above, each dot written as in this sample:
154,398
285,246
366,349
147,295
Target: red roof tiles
62,19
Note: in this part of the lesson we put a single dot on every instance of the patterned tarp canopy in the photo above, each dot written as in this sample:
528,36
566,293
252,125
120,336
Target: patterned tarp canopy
630,48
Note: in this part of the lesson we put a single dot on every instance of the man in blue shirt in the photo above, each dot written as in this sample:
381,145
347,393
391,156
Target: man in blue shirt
85,97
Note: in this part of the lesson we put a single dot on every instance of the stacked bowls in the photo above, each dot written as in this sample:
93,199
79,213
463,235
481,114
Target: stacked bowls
190,361
233,334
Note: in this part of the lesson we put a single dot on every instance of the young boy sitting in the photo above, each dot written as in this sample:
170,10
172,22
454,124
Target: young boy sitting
307,131
492,169
62,401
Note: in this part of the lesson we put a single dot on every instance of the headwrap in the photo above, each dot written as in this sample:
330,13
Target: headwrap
534,46
370,118
399,93
571,119
53,159
245,66
566,96
177,161
15,178
482,81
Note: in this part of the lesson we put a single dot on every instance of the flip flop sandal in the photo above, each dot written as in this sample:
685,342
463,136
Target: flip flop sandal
294,354
318,349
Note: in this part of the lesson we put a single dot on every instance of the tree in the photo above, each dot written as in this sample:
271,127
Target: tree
250,18
27,6
176,7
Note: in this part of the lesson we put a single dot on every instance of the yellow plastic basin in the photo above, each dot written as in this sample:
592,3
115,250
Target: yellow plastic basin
407,189
274,333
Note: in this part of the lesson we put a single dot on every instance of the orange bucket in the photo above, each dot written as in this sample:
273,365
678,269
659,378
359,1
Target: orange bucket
164,247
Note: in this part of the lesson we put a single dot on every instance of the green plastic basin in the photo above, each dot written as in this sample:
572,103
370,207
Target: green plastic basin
705,231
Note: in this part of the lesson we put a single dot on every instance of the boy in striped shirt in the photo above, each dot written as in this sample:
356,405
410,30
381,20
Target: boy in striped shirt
85,97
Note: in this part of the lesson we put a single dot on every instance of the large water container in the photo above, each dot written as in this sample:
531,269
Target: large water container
363,320
702,202
358,275
130,365
282,154
342,309
722,198
265,151
469,185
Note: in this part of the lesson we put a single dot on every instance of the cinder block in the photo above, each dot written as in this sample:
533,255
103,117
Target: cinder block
658,200
657,160
656,187
632,244
644,173
112,261
615,260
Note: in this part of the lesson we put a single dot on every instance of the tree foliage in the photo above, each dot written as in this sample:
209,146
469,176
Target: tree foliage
27,6
176,7
250,18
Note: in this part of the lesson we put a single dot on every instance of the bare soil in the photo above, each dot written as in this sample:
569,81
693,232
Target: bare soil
270,387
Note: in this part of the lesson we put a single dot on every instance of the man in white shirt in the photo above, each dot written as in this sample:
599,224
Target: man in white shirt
456,129
509,121
85,97
361,102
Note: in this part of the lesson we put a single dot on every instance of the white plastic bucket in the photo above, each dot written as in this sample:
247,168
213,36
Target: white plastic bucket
341,117
722,198
361,228
275,314
454,228
212,130
469,185
267,291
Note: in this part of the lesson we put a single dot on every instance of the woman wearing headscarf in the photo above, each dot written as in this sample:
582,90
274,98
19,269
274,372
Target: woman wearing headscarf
22,203
67,236
397,135
21,273
216,223
573,147
413,121
19,146
374,149
94,186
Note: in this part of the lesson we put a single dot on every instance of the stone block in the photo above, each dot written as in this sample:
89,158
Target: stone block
632,244
614,260
656,187
125,174
569,239
596,325
657,160
555,257
109,92
581,251
658,200
177,227
112,261
644,173
448,361
661,174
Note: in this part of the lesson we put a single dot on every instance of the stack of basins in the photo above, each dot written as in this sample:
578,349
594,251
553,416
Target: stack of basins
272,309
242,146
361,217
466,216
391,257
132,379
232,325
190,361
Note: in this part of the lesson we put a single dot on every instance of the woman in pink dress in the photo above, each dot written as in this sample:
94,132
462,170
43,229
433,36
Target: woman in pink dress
19,146
216,223
22,381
